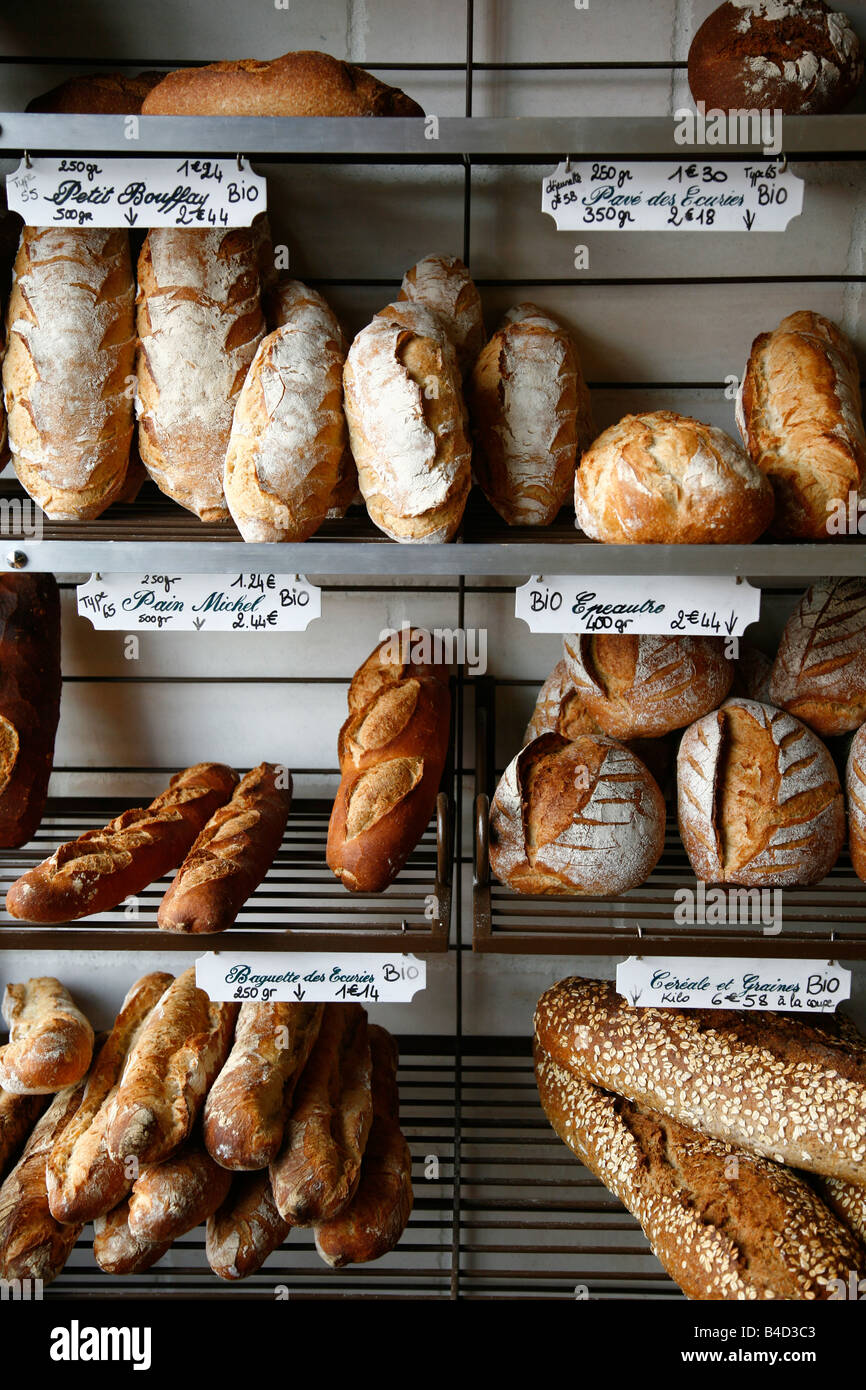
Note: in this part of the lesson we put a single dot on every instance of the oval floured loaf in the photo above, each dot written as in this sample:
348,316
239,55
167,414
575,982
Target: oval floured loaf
759,799
444,285
820,669
855,778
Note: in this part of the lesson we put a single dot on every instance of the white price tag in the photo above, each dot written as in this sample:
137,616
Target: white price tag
97,192
699,982
315,976
754,195
200,602
695,606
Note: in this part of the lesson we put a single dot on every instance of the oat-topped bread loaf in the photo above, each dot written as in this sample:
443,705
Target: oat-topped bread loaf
847,1200
69,368
30,685
406,417
199,322
726,1224
306,83
443,285
50,1040
581,817
789,1088
639,685
820,669
531,416
98,94
662,478
856,795
797,56
800,414
759,798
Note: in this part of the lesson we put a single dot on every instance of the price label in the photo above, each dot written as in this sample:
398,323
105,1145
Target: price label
200,602
311,976
97,192
706,606
696,982
753,195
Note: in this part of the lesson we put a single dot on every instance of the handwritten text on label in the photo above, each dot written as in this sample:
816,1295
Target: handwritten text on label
706,982
313,976
200,602
708,606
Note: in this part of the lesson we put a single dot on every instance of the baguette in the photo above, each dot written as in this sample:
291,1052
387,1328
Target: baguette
173,1064
317,1170
103,867
170,1198
83,1180
30,683
781,1087
246,1111
117,1251
375,1219
725,1224
32,1244
404,653
246,1229
18,1115
50,1041
231,855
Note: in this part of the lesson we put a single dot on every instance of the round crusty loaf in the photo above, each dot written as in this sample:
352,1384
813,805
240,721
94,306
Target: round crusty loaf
820,669
797,56
638,685
306,83
759,799
69,366
855,785
663,478
800,415
582,817
405,412
559,709
444,285
531,417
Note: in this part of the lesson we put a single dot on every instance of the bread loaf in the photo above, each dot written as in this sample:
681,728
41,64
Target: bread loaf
409,652
82,1178
199,323
856,793
246,1229
531,417
662,478
102,867
372,1223
117,1251
68,370
231,855
580,817
171,1197
392,756
752,669
726,1224
18,1115
847,1200
50,1041
306,83
246,1111
644,686
30,685
445,287
99,94
175,1060
317,1170
800,414
559,709
759,798
405,413
819,673
790,1089
32,1244
796,56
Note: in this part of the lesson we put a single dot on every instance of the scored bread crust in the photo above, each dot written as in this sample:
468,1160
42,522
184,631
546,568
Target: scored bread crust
800,415
819,673
663,478
117,1251
759,798
380,668
726,1224
18,1115
559,709
855,786
531,416
443,285
246,1229
50,1040
30,686
69,368
32,1244
583,817
173,1196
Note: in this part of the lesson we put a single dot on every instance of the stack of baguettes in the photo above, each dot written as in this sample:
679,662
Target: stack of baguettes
253,1120
737,1140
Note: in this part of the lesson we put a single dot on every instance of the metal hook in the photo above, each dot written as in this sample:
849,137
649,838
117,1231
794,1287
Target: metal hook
240,160
27,162
568,163
782,163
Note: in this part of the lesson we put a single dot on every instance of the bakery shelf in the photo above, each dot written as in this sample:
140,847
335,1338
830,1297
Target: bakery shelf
300,906
154,534
495,140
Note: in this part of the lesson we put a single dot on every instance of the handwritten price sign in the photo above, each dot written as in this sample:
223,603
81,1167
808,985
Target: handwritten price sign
688,982
96,192
676,195
200,602
312,976
712,606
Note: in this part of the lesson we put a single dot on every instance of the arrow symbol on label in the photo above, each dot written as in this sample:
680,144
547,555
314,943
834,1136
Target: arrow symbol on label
131,217
198,624
749,219
298,993
732,624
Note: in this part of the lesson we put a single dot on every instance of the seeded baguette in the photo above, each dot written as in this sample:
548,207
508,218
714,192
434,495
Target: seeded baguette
781,1087
847,1200
246,1229
50,1041
102,867
726,1225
